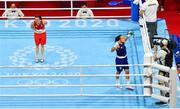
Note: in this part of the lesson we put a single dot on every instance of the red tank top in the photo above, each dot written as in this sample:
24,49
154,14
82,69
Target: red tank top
39,26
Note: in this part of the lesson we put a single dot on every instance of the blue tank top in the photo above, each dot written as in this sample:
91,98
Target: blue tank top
122,50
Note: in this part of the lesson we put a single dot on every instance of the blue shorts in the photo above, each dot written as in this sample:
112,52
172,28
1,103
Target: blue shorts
123,61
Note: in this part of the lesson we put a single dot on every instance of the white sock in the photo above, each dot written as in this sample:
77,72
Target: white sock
37,58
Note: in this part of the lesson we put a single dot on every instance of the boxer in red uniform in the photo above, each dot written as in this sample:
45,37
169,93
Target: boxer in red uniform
38,25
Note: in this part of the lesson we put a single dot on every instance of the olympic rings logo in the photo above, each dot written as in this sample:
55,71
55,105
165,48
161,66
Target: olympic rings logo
43,81
59,56
25,57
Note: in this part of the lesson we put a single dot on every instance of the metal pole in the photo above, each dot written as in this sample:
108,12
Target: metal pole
5,6
71,8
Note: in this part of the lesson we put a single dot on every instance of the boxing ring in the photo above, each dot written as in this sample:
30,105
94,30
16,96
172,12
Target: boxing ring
79,70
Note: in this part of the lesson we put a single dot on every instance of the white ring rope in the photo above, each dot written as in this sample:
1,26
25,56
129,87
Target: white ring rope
59,95
55,76
169,89
77,85
75,66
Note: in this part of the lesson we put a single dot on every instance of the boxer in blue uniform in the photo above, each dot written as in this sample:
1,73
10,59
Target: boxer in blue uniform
121,59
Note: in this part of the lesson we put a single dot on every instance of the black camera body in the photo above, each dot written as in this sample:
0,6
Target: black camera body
171,43
157,42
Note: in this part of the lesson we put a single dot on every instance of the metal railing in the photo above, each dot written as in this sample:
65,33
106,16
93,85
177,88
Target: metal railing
71,9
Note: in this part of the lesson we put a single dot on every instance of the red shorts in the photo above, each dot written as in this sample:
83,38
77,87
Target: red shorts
40,38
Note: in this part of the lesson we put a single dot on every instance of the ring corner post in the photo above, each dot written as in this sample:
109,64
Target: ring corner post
173,87
148,72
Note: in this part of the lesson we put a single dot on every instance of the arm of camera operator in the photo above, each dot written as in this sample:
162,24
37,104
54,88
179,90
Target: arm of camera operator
155,53
158,55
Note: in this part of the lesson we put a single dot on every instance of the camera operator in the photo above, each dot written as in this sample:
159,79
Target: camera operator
165,57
